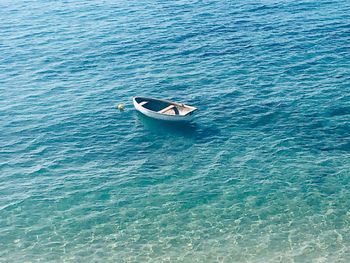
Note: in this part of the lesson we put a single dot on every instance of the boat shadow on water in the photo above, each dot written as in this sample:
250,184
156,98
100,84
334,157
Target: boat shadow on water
185,129
189,130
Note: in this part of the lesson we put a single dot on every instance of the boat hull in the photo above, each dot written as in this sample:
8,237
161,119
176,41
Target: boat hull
159,116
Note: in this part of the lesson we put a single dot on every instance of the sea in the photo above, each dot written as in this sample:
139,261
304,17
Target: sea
261,174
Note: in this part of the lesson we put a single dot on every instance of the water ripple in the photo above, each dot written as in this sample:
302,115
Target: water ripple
260,175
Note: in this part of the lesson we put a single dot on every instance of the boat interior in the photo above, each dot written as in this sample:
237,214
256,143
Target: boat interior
164,107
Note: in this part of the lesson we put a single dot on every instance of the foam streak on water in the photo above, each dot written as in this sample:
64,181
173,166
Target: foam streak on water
262,175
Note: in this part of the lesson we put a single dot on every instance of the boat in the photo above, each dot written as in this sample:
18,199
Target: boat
165,110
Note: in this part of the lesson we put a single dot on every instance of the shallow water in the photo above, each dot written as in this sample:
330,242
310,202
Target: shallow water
261,175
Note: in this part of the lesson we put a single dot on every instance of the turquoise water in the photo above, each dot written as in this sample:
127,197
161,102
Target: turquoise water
261,175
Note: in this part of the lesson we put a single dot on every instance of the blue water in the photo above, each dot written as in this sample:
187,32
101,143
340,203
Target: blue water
261,175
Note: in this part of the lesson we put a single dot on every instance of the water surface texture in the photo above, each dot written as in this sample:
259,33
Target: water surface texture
261,175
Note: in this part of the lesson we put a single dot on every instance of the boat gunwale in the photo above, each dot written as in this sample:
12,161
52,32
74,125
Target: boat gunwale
166,101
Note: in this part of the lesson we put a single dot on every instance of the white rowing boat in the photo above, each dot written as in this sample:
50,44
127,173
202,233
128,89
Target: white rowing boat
163,109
